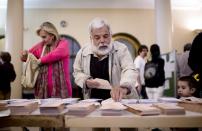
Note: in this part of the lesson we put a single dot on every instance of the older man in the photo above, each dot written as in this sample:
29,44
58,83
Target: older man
107,60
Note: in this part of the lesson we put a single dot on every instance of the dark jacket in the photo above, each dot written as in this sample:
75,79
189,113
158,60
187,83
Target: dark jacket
7,75
194,61
159,78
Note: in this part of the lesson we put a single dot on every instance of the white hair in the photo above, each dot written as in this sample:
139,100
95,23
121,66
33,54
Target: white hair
98,23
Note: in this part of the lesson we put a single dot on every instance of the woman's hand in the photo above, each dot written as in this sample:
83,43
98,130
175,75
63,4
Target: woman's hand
24,55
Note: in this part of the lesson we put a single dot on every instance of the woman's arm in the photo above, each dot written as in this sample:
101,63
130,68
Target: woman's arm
60,52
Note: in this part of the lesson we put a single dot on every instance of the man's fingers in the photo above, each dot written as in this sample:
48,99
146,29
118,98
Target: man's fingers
116,94
120,94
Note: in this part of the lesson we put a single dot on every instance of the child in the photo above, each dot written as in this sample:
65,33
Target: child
7,75
187,87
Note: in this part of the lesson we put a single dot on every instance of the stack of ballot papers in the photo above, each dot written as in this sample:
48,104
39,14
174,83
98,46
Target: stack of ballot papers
22,107
111,108
4,111
148,101
143,109
170,109
141,101
168,100
129,101
49,100
54,107
3,105
82,108
68,101
10,101
191,104
91,100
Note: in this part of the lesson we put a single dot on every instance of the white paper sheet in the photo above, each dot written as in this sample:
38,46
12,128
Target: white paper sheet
104,84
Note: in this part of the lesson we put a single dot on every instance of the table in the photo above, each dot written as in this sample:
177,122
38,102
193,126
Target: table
34,119
95,119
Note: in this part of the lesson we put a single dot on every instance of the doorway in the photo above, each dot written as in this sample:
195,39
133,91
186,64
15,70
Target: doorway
130,41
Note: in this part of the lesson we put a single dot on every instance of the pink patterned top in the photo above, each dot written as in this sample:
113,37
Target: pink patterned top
61,52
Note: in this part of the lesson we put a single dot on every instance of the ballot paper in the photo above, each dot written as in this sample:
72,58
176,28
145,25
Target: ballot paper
170,108
168,99
67,101
191,104
104,84
55,107
22,108
111,108
3,105
5,113
143,109
90,100
129,101
82,109
191,99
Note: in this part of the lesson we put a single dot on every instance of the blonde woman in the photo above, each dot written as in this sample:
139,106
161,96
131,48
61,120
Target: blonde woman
54,78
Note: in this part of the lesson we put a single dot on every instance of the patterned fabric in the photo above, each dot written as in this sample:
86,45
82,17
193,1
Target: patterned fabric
59,84
42,83
58,78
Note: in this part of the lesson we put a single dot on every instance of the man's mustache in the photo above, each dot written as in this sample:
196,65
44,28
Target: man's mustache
103,47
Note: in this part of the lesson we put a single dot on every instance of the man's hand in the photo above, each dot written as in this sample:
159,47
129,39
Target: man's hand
139,88
117,93
92,83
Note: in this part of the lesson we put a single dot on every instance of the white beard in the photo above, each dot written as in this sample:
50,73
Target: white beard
101,49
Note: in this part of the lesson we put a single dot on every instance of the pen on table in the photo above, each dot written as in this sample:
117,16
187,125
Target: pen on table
138,99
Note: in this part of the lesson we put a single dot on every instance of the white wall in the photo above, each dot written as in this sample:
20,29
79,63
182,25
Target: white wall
183,28
139,23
